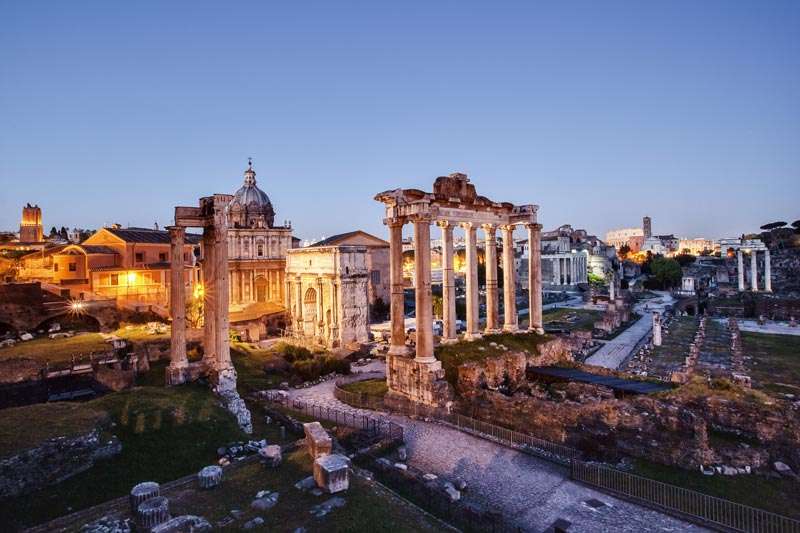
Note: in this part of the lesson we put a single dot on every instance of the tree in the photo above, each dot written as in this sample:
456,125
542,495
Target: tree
53,232
685,259
773,225
63,233
665,272
379,310
624,251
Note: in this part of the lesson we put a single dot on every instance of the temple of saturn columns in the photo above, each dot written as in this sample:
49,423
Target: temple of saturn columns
216,364
752,247
566,268
452,203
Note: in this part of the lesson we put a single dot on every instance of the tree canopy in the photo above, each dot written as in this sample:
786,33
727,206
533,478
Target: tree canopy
773,225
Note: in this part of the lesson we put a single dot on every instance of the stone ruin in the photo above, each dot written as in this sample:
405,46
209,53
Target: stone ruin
216,364
331,471
617,313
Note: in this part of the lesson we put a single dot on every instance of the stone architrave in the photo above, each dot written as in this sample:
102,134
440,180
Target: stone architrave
318,441
509,287
490,260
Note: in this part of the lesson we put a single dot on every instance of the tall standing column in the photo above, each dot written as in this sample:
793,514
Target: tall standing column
224,364
509,287
472,280
320,311
754,271
767,272
535,277
556,263
209,301
335,314
490,260
397,303
298,306
448,282
422,290
176,373
740,269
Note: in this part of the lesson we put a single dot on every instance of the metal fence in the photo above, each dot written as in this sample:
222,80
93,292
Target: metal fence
707,509
370,424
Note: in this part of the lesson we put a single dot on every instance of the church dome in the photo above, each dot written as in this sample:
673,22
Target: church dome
250,206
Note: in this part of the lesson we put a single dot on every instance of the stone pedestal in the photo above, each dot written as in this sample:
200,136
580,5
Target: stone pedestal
143,492
332,473
318,441
152,512
209,477
418,382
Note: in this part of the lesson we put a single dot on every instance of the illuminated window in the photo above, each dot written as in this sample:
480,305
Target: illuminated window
73,267
114,279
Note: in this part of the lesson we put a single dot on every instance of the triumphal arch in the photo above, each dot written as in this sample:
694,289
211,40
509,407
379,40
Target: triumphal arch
453,203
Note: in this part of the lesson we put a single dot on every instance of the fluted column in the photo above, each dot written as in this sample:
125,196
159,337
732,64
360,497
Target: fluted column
320,311
490,257
448,282
397,303
422,291
535,277
767,272
472,280
334,313
298,297
740,269
754,271
509,287
177,303
209,301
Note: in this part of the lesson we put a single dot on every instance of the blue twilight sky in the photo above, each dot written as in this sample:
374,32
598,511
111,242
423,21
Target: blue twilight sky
600,112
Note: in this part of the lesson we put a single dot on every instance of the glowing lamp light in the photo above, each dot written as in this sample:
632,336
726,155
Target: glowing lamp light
198,291
131,278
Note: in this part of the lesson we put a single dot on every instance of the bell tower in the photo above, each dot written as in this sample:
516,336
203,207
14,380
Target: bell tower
30,229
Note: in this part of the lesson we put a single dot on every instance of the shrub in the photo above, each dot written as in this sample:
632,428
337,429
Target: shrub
293,353
311,369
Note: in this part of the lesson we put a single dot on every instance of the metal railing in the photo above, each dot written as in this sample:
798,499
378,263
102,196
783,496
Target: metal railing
370,424
708,509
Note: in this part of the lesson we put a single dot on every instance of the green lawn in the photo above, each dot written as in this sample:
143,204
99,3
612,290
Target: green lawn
370,387
775,366
453,355
571,319
49,350
776,495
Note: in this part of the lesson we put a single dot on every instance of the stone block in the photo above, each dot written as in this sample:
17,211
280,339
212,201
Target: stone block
210,476
152,512
183,524
332,473
143,492
271,455
318,441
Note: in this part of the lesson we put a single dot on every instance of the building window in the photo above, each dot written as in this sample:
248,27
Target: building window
73,267
114,279
139,257
55,267
376,277
260,251
163,257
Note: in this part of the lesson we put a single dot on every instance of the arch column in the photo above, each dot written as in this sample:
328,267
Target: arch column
490,256
397,302
472,280
422,290
448,283
176,373
535,277
509,287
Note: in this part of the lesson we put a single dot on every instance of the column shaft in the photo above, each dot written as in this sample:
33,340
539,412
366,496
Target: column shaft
223,296
423,297
448,283
177,303
397,303
509,287
767,272
754,271
490,257
740,269
209,297
472,281
535,277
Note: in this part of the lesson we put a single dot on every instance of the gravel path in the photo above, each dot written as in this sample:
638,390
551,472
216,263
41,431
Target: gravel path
530,491
614,352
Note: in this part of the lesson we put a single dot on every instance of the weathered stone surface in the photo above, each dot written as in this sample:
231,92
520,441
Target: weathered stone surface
332,473
265,502
108,524
234,403
327,506
210,476
318,441
53,461
152,512
254,523
307,483
271,455
142,492
184,524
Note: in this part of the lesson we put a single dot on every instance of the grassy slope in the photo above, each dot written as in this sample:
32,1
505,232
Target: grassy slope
775,366
371,387
584,318
56,350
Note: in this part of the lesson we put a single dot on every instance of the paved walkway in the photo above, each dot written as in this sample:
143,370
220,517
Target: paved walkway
770,328
614,352
529,491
